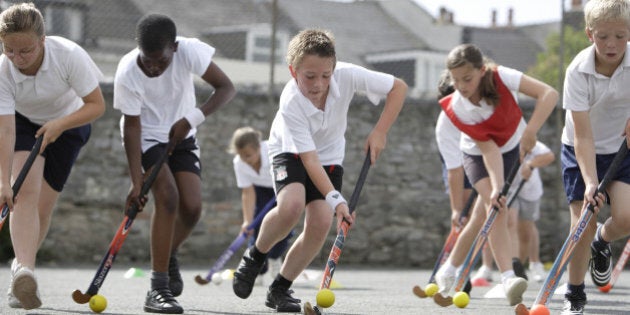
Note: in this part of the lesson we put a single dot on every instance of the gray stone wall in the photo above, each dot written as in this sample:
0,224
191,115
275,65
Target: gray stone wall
402,214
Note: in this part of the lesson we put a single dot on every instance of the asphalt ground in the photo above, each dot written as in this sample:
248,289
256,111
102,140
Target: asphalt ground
358,291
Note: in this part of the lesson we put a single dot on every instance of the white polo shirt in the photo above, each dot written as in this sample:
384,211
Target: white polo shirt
246,176
161,101
448,137
532,189
300,127
469,113
66,75
607,99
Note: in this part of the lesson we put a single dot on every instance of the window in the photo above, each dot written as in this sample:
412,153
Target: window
65,20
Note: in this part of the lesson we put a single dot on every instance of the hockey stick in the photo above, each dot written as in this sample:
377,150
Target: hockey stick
565,254
621,263
21,177
515,195
448,244
474,253
335,251
235,245
119,237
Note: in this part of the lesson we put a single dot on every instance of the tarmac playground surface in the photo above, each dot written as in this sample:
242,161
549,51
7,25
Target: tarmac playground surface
357,291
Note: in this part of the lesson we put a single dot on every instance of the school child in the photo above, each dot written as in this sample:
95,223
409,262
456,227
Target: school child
494,136
525,210
306,147
253,177
153,115
596,100
49,87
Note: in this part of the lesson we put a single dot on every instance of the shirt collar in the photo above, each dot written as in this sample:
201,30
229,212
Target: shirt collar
307,105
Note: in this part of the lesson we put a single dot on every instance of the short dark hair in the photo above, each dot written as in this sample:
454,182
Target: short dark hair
155,31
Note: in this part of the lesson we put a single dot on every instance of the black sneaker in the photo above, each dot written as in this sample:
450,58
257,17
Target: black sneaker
574,304
519,270
281,300
600,265
162,301
175,282
245,275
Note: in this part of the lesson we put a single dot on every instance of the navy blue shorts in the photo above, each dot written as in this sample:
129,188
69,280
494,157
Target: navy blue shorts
185,156
467,184
288,168
476,169
572,177
60,155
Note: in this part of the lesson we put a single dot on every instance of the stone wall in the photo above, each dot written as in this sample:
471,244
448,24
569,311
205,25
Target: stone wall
402,214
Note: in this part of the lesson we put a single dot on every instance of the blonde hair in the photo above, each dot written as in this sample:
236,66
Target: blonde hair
243,137
311,42
471,54
21,17
597,11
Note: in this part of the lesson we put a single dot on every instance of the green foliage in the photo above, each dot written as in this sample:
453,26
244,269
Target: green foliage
547,64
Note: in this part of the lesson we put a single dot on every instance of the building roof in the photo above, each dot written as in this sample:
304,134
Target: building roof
359,27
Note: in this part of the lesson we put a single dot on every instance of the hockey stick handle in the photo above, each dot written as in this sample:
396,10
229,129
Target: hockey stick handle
480,240
120,236
22,176
452,236
237,242
468,206
566,253
146,185
516,192
337,247
354,198
261,215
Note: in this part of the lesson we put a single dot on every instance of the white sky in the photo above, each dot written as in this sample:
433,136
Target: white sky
478,12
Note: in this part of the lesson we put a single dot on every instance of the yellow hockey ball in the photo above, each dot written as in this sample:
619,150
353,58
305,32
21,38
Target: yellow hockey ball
325,298
98,303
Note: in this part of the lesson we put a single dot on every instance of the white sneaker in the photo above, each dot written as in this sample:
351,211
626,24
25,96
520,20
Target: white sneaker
537,270
12,301
24,287
483,272
514,288
444,280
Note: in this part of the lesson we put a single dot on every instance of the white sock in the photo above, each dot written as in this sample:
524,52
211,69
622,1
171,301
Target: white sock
448,268
505,276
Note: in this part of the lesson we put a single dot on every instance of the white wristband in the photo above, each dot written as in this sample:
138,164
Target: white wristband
334,198
195,117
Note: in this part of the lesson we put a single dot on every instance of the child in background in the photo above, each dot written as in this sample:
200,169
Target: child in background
484,107
253,177
307,147
525,209
49,87
154,115
596,99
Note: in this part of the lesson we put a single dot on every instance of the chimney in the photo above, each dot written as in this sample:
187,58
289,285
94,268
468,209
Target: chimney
443,15
510,21
451,19
494,18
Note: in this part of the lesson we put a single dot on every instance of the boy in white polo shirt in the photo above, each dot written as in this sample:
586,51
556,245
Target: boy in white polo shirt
307,147
49,87
154,90
597,98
